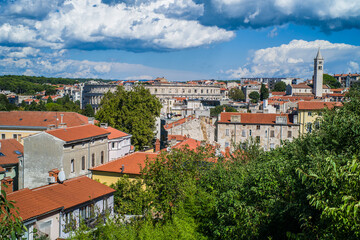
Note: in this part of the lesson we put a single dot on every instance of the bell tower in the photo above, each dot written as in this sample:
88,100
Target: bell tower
318,75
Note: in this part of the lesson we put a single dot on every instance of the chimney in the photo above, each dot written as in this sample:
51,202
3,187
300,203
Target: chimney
104,125
7,185
157,145
62,125
91,120
54,173
122,168
227,151
61,118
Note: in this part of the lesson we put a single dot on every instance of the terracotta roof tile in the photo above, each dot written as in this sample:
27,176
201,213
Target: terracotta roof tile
178,122
301,85
317,105
40,119
70,193
114,133
131,162
2,169
78,132
278,93
253,118
189,143
8,148
32,203
74,191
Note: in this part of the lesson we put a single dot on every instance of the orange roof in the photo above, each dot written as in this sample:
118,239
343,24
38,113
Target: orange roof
223,89
278,93
291,98
189,143
78,132
178,122
301,85
74,191
8,148
41,119
336,95
2,169
132,163
114,133
253,118
176,137
32,203
70,193
317,105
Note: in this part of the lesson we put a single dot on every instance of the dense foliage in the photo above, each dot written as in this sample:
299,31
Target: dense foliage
264,92
220,108
236,94
331,81
279,87
133,112
254,96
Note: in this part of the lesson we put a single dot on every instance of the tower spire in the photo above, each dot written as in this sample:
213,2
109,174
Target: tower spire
318,56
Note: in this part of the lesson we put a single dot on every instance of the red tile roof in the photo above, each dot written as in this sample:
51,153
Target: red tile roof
78,132
317,105
114,133
74,191
278,93
176,137
70,193
32,204
252,118
178,122
301,85
41,119
2,169
8,148
131,162
189,143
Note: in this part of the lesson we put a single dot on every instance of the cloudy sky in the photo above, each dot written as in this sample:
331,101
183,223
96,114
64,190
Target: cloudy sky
178,39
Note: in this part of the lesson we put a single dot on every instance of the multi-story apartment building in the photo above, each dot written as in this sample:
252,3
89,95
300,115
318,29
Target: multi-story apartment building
93,92
74,150
269,130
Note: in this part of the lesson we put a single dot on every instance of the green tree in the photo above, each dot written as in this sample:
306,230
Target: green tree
49,100
280,87
11,226
5,105
133,112
264,92
220,108
236,94
331,81
255,96
89,111
130,196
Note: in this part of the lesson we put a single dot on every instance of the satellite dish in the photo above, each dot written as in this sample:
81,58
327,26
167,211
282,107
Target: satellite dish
61,176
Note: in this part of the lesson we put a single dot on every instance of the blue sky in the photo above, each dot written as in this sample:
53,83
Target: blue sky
177,39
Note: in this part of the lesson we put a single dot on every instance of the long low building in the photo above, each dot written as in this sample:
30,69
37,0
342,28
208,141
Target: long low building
269,130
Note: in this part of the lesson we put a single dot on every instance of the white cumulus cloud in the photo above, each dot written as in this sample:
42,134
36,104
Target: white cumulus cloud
296,59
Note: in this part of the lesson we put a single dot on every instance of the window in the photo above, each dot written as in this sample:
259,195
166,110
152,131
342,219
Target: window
320,67
250,132
112,145
257,127
243,133
15,136
258,139
19,137
289,134
83,163
226,144
309,113
93,160
102,157
309,127
265,133
227,132
105,204
272,133
2,136
83,212
72,166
